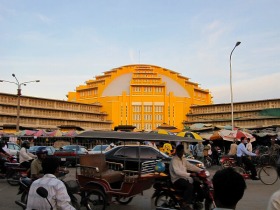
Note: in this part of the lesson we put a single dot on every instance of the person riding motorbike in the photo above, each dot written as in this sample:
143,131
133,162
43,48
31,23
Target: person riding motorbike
36,165
3,157
57,192
25,157
181,178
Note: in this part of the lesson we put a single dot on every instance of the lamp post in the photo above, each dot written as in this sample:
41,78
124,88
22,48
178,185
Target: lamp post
18,95
231,94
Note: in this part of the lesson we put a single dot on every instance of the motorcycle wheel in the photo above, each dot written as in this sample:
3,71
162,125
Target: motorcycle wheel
226,164
74,202
207,163
208,204
24,197
96,200
166,200
123,200
13,178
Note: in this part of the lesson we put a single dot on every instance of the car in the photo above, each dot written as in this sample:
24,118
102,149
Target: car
98,149
70,154
131,155
50,149
13,148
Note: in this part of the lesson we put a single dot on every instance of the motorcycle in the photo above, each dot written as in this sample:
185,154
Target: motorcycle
13,171
72,188
228,161
168,197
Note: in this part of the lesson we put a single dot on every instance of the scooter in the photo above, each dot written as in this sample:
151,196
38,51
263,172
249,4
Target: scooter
13,171
168,197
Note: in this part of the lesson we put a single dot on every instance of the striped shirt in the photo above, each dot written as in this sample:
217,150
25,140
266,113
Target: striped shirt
57,195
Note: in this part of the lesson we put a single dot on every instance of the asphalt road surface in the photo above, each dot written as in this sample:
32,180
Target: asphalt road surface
256,196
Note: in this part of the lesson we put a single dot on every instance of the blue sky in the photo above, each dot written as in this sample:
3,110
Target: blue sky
65,42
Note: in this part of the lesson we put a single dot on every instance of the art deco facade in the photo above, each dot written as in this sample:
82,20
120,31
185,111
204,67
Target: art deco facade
144,96
51,114
250,114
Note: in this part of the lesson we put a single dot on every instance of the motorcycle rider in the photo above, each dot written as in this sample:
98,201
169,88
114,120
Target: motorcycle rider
3,157
25,157
242,154
57,193
181,178
36,165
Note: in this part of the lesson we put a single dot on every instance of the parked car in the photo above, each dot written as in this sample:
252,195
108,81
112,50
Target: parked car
50,149
131,155
98,149
69,154
13,148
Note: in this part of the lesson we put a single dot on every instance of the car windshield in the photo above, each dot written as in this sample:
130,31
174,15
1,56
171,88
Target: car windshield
33,148
98,147
70,147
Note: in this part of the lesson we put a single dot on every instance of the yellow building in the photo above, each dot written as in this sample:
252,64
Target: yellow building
144,96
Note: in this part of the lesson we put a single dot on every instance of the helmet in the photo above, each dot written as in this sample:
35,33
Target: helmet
25,144
41,150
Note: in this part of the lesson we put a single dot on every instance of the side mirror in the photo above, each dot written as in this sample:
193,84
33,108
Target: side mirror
44,194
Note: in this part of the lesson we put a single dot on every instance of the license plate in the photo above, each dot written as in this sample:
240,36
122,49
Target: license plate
63,159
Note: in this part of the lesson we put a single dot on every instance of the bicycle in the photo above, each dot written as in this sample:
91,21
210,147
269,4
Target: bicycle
266,172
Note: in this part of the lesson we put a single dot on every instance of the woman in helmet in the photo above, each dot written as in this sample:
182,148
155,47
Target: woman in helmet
36,165
25,157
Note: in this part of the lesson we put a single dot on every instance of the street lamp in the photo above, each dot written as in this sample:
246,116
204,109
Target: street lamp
231,94
18,95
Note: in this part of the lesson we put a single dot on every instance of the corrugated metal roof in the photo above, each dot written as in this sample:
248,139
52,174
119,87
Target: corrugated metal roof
133,136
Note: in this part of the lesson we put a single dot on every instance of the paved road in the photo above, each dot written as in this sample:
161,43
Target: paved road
256,196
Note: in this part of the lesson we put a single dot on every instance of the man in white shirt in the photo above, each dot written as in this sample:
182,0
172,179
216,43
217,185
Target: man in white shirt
57,193
180,176
242,154
25,157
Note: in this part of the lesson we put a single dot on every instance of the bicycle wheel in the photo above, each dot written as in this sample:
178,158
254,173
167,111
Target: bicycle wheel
268,175
96,200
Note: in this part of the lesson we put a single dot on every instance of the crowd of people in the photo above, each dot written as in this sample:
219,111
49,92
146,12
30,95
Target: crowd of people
43,170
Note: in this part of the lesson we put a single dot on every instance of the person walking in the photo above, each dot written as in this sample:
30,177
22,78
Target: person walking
199,147
249,146
233,148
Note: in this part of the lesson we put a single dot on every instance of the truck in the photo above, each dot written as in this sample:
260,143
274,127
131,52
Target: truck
70,154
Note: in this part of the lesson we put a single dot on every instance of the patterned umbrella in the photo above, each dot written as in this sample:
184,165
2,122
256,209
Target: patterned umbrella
190,135
230,135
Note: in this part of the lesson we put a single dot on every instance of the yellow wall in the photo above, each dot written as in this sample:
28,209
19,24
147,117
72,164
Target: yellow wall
151,96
